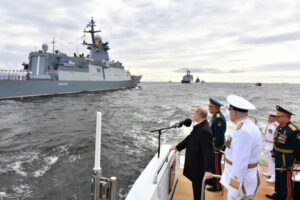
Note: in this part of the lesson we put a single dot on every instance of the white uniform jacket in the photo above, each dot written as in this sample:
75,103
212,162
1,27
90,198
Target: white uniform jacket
269,137
243,150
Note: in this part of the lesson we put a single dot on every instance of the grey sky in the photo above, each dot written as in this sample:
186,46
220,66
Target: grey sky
239,41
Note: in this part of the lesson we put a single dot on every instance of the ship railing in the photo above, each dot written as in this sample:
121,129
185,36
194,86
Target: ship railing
170,156
101,188
20,75
203,185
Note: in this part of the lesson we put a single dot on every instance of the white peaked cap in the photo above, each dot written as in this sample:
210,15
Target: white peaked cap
240,102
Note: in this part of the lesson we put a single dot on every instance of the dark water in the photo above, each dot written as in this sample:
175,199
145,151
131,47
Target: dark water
47,144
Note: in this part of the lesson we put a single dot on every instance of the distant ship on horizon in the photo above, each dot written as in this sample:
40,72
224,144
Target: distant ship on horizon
258,84
53,73
188,78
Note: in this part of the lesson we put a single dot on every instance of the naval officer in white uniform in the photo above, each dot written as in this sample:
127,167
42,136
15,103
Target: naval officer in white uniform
242,154
269,144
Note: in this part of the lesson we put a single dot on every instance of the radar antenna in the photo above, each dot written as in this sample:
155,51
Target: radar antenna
91,25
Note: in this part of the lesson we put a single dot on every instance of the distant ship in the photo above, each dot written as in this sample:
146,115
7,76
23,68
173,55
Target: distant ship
188,78
51,73
197,80
258,84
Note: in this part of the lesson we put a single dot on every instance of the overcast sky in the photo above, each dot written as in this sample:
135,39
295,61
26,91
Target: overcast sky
219,41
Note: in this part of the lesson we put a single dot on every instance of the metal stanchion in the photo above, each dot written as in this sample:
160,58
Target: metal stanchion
102,188
113,188
203,185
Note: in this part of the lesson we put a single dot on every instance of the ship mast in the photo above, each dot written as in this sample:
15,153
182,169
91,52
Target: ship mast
53,44
92,31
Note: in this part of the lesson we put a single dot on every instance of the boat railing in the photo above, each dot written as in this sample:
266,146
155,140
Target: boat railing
165,160
203,185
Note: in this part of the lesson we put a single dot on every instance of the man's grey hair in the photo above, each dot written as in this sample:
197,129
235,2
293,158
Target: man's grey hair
202,111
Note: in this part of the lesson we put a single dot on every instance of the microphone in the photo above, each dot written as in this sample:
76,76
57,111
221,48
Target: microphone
187,122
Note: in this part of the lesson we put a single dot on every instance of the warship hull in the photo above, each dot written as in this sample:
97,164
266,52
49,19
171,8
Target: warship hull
13,89
185,81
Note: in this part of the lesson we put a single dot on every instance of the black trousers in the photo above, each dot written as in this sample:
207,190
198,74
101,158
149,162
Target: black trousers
197,186
296,194
217,170
283,185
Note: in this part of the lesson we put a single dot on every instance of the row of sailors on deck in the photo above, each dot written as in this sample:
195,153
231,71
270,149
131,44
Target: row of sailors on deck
242,151
13,75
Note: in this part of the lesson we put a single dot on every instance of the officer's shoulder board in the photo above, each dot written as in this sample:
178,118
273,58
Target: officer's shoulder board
218,115
292,127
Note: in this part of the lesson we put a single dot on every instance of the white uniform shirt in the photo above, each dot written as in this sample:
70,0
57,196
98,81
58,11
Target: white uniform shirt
5,74
269,138
245,148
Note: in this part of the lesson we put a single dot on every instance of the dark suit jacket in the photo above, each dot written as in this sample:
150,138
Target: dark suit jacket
199,152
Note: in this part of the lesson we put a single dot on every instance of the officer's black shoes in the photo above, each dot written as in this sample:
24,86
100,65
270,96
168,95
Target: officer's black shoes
213,189
271,196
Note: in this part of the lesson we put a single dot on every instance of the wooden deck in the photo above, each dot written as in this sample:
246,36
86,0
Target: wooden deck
184,190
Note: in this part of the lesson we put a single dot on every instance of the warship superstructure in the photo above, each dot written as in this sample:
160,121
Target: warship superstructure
188,78
51,73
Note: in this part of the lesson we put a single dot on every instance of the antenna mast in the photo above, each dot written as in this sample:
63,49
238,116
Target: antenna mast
53,44
91,24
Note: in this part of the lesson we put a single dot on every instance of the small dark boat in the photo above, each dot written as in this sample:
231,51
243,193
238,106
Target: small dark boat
197,80
258,84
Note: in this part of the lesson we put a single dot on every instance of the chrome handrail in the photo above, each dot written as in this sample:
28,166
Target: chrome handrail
165,160
203,184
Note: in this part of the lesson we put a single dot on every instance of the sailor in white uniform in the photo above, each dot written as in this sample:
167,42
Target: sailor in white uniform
242,154
269,144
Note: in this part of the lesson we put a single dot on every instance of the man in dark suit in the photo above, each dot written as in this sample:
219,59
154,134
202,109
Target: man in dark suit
199,152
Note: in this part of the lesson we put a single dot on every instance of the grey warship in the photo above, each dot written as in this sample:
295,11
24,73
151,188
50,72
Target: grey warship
188,78
56,73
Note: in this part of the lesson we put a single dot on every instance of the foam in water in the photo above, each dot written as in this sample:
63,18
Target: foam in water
49,161
22,191
17,168
73,158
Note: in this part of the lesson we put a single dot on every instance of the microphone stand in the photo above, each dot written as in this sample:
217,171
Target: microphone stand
159,134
